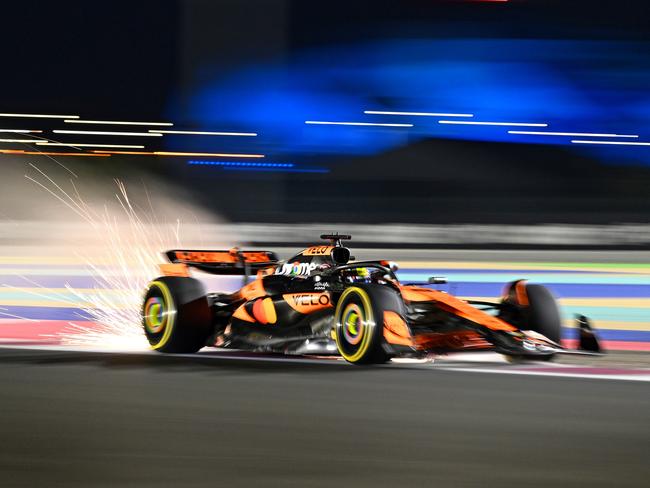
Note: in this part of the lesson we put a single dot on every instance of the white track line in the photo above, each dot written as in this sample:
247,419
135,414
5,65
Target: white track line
228,354
564,374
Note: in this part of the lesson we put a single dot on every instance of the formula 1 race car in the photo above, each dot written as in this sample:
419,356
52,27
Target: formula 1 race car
324,302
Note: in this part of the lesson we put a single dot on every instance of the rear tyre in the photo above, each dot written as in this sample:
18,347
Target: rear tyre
359,327
176,315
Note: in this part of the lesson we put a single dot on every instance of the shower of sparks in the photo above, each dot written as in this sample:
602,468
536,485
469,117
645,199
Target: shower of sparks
132,240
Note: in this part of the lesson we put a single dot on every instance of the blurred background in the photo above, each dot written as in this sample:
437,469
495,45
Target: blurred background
483,112
482,140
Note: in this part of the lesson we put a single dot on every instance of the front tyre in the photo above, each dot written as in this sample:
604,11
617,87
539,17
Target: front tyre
176,315
532,307
544,313
359,328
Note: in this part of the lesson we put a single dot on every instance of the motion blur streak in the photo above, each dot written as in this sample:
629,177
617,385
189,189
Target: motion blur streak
587,134
320,122
417,114
42,153
281,170
106,133
70,144
22,131
204,133
116,122
24,141
615,143
168,153
238,163
467,122
41,116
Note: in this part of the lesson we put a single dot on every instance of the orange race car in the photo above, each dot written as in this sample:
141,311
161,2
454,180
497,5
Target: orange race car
324,302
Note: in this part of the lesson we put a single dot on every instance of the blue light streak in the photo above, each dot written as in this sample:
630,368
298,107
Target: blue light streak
241,164
259,167
281,170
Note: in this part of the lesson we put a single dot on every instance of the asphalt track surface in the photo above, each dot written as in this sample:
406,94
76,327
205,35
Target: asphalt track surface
83,419
74,419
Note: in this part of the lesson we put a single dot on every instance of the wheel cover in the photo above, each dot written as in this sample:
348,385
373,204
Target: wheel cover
354,324
155,316
159,314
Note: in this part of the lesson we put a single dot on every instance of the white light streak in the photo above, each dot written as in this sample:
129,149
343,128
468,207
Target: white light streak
468,122
48,154
123,146
416,114
204,133
614,143
117,122
21,131
41,116
105,133
174,153
25,141
586,134
321,122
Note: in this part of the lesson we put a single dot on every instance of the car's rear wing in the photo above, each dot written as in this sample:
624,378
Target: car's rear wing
231,262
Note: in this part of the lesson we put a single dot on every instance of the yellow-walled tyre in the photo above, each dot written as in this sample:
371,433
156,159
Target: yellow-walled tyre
176,315
359,327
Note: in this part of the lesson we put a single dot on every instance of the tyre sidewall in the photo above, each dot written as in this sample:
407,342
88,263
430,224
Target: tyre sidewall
185,317
373,301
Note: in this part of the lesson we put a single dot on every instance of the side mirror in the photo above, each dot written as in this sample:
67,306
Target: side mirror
437,280
394,267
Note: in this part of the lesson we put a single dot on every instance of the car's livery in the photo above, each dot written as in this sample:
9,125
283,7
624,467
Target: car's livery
322,301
